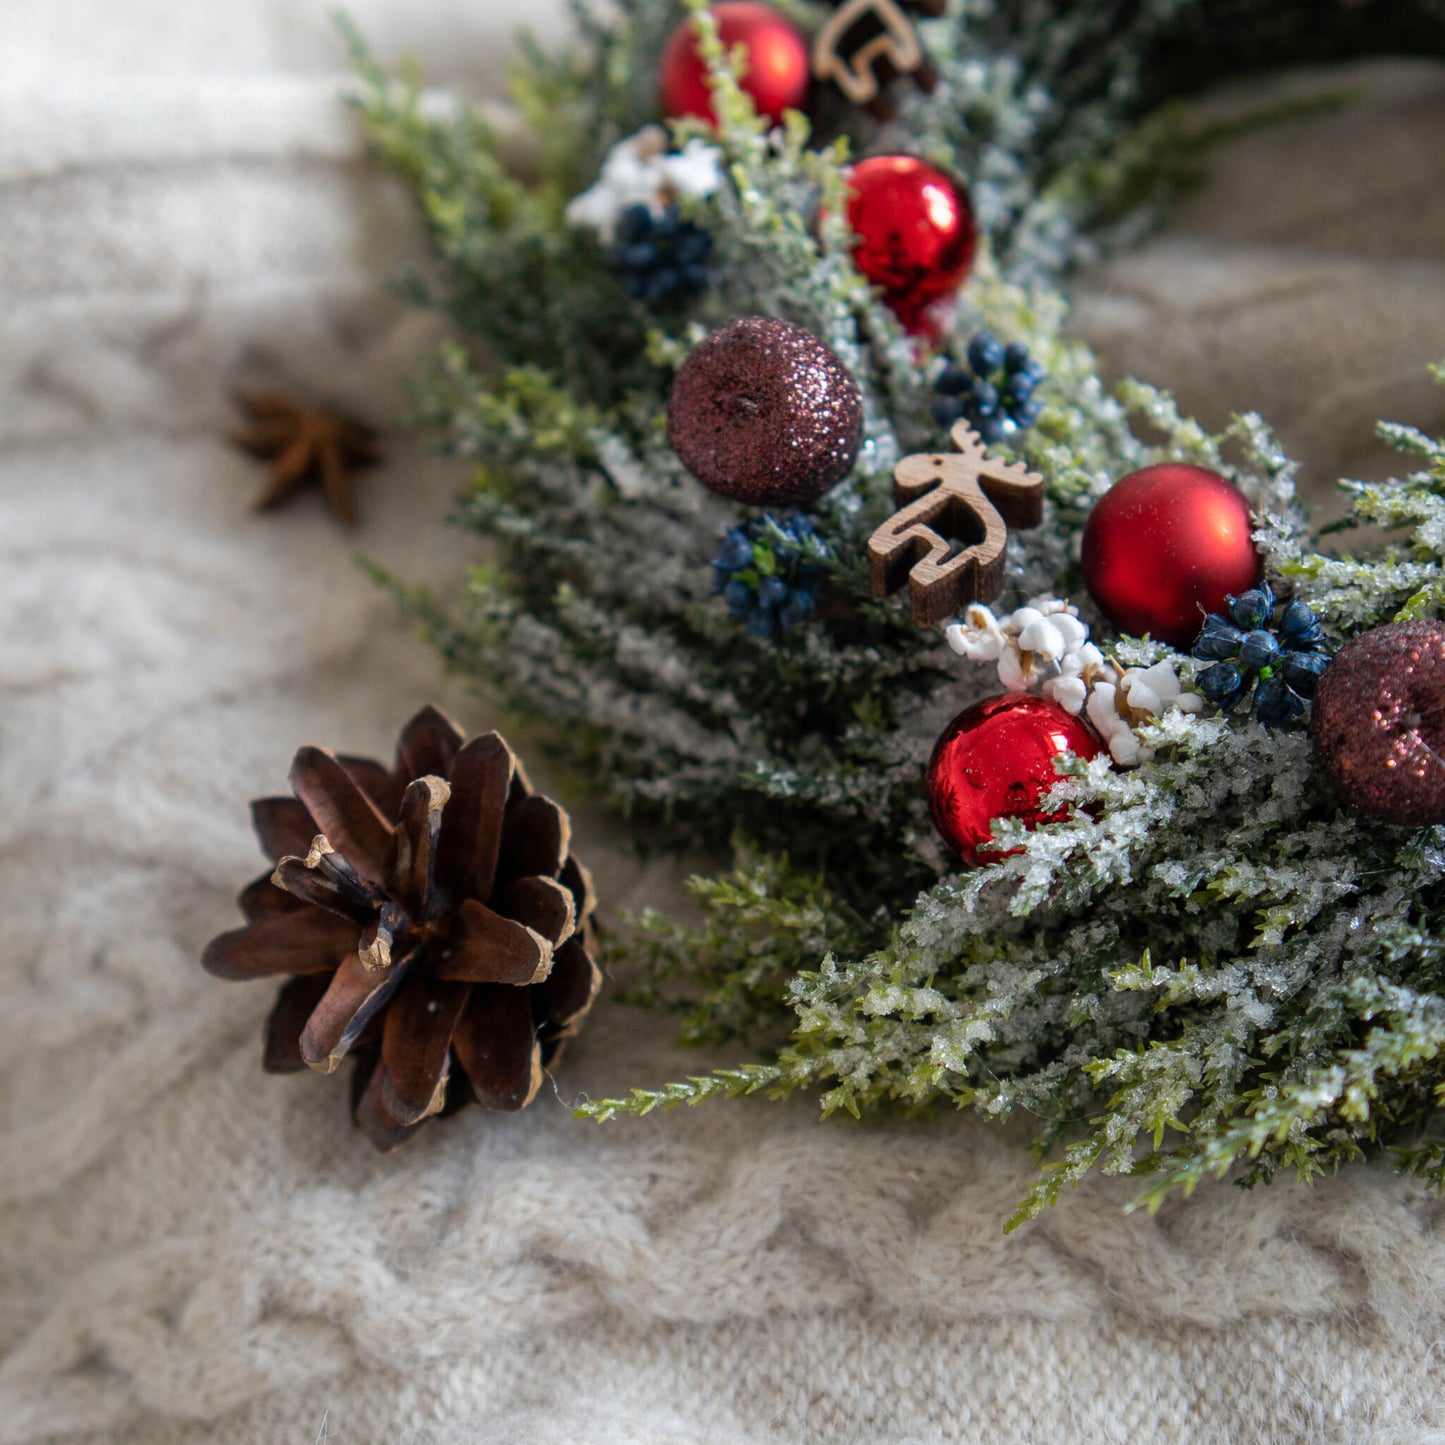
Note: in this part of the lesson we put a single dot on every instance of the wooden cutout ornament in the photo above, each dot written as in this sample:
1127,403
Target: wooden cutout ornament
866,44
950,497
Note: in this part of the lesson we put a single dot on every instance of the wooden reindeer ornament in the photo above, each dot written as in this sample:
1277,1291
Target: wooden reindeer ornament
947,498
866,44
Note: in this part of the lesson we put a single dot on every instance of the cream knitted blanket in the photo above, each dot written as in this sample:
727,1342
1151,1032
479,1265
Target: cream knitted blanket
191,1251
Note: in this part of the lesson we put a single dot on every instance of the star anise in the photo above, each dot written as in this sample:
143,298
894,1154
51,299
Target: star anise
305,443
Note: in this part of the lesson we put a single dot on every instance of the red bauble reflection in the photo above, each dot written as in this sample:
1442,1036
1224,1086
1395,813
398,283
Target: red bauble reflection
779,72
1164,545
996,760
916,233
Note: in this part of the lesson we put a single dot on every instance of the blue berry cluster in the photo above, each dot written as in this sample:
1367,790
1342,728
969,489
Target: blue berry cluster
995,391
660,257
1283,658
770,572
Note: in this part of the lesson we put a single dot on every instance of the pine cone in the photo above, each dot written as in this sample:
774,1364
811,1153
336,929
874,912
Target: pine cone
446,953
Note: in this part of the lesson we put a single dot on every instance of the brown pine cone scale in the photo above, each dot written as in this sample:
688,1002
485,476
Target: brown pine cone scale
433,922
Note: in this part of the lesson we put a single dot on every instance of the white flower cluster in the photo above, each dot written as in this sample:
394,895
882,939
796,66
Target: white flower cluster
1117,708
640,171
1042,643
1045,644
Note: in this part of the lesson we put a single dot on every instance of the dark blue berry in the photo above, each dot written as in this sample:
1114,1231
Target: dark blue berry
639,256
1302,670
998,393
738,597
1222,684
983,400
801,601
1259,650
1020,387
947,410
985,353
770,572
1218,639
1299,626
736,552
1251,609
762,623
953,380
773,592
659,256
1274,703
634,224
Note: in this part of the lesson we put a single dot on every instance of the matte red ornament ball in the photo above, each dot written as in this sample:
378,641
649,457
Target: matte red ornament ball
996,760
779,74
1164,545
916,233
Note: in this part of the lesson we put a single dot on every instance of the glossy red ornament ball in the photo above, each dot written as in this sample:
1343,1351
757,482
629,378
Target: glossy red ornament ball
916,233
1378,723
996,760
1164,545
779,73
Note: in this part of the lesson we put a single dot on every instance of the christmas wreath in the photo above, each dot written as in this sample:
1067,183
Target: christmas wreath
1067,772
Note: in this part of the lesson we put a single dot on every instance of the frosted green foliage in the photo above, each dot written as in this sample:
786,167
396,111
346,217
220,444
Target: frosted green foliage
1406,578
766,921
1029,107
515,278
1209,965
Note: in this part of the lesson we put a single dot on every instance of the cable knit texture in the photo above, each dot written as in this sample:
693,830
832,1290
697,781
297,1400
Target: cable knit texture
193,1251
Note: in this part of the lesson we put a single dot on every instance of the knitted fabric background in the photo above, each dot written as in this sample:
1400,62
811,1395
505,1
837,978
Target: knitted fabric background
193,1251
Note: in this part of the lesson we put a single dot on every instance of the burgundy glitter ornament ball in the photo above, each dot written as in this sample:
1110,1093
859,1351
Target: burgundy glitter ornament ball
779,70
1163,546
764,413
916,233
1378,724
996,760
